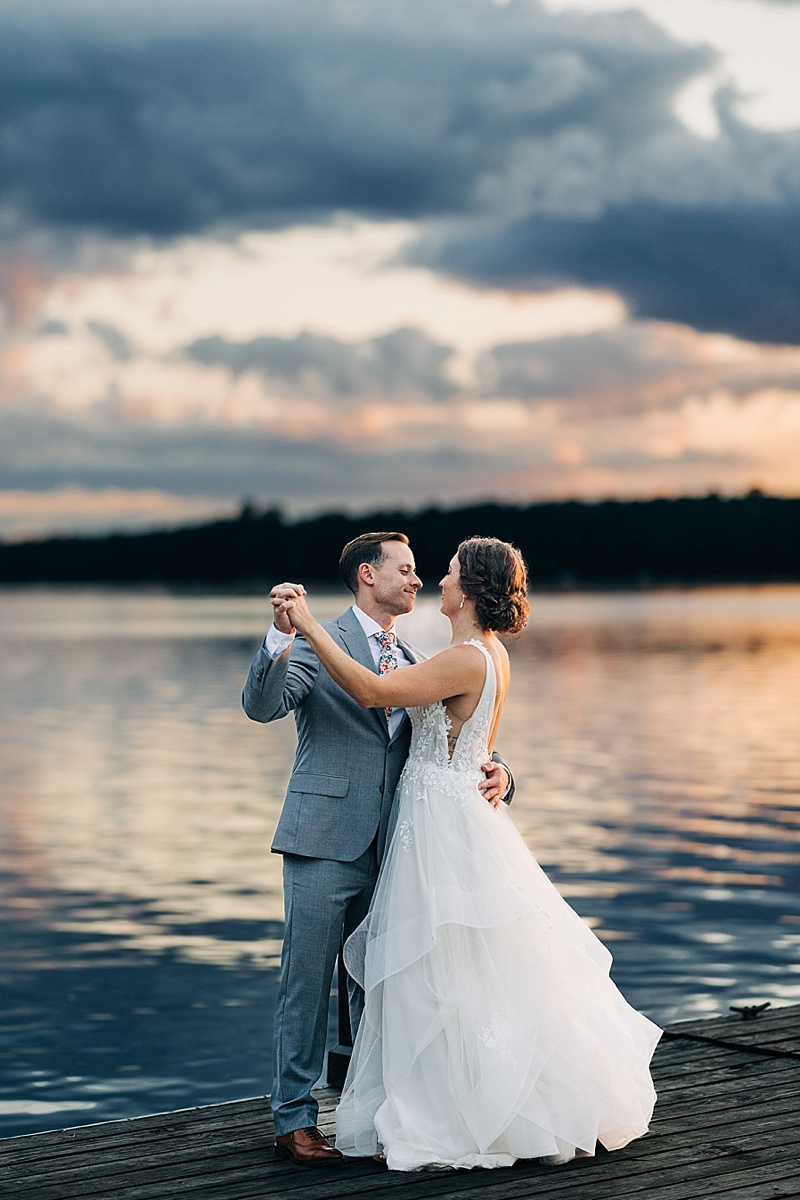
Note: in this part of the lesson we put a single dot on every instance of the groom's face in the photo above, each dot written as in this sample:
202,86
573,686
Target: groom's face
395,580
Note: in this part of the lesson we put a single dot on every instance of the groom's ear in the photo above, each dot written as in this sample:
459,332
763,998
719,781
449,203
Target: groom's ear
366,574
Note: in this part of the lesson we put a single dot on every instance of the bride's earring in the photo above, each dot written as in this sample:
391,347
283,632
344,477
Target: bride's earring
461,605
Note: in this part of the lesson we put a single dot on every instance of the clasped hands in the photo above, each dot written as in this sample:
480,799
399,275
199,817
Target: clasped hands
290,610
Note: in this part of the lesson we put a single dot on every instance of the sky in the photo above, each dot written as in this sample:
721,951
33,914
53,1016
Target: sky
351,254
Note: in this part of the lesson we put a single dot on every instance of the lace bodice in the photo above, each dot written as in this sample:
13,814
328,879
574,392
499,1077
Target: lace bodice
431,725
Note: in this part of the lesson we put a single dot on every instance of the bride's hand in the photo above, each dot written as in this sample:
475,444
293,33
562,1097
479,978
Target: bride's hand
299,613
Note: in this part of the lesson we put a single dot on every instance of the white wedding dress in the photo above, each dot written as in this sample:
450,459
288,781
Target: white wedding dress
491,1030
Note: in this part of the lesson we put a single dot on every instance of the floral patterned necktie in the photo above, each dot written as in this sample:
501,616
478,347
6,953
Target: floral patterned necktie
387,660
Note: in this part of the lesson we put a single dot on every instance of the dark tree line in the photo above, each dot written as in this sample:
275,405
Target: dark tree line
749,538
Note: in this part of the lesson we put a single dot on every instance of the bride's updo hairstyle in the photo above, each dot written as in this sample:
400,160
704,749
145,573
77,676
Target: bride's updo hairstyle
494,575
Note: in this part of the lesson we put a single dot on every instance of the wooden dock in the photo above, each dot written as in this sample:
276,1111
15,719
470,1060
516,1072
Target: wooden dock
727,1126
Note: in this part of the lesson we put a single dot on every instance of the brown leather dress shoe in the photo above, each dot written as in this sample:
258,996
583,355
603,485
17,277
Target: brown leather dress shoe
308,1148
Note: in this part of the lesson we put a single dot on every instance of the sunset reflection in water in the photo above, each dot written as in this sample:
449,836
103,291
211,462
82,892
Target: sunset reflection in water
653,737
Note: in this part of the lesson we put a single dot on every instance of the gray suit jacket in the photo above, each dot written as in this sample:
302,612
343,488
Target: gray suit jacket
346,768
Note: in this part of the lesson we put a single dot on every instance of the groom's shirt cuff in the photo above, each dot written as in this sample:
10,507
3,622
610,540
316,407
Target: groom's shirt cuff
276,642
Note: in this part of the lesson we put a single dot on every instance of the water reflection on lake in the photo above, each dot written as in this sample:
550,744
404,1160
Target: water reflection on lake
654,738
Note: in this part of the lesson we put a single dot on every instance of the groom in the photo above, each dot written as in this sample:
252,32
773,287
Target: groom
336,815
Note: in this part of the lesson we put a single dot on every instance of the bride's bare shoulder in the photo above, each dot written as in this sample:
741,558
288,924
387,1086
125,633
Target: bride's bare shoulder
501,663
501,649
498,653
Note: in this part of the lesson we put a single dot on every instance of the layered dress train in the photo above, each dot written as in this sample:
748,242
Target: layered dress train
491,1029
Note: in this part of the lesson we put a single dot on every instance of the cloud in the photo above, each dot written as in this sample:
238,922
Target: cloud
404,363
475,450
273,113
115,342
534,146
47,451
25,514
643,409
638,366
617,360
733,269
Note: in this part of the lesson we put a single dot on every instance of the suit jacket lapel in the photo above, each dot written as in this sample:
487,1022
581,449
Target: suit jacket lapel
357,646
411,654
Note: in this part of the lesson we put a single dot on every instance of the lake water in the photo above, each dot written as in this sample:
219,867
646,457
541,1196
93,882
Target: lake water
654,739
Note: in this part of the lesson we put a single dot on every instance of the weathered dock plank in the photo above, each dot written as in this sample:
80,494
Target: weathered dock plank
727,1127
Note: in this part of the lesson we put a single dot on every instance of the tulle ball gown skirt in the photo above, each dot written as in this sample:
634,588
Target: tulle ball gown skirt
491,1029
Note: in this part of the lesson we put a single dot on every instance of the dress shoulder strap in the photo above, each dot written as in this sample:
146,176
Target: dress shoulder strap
491,674
477,642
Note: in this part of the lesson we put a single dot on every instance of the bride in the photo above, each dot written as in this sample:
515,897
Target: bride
491,1029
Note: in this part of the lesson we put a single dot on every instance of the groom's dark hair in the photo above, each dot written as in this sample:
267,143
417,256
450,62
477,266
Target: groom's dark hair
366,548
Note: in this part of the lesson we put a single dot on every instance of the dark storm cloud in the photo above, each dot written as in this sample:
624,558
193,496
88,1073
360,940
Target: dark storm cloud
736,270
544,146
404,363
274,112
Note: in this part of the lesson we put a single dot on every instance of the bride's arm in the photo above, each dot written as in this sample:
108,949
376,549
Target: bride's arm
452,673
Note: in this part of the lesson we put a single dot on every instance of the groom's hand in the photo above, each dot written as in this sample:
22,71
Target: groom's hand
278,597
496,783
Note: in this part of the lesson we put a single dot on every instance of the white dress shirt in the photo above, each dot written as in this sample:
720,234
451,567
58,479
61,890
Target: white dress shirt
276,642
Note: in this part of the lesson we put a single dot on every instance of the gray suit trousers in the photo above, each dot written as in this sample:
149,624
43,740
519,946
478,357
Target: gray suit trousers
324,901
